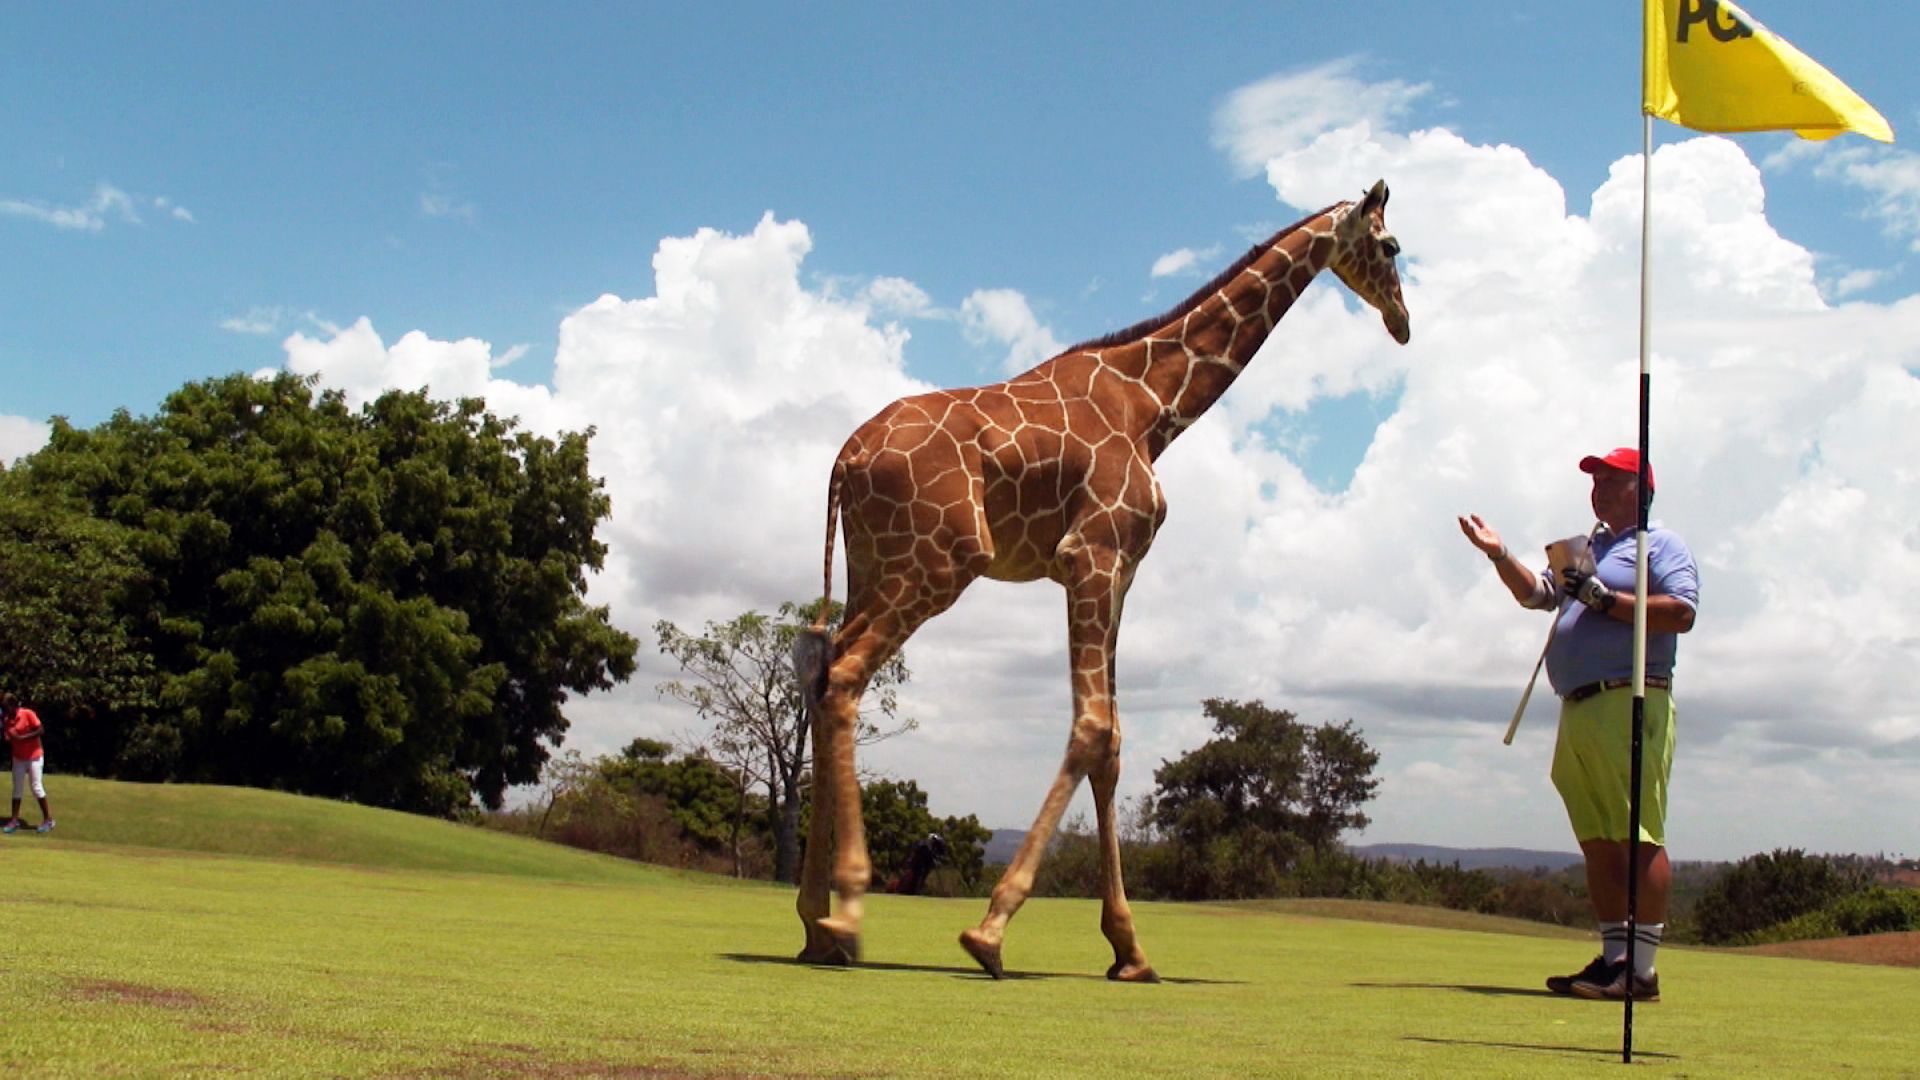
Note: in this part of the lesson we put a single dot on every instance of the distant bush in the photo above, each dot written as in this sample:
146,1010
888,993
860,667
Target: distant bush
1877,909
632,825
1342,875
1072,863
644,804
1543,898
1762,891
1228,868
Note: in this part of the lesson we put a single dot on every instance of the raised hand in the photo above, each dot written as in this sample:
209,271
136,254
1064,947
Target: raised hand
1483,536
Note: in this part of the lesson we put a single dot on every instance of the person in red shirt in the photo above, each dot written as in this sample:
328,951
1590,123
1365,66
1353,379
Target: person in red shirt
23,738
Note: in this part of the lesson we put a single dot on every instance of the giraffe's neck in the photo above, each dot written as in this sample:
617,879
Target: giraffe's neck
1191,360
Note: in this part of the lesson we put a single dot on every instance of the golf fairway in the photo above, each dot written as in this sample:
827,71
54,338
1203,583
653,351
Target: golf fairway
128,959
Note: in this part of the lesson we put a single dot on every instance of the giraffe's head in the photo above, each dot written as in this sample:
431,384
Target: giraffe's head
1363,258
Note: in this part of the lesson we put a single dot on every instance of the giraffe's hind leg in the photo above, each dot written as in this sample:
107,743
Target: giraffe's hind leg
868,640
916,538
816,870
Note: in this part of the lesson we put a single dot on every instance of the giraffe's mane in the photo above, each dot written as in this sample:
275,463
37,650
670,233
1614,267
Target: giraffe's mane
1146,326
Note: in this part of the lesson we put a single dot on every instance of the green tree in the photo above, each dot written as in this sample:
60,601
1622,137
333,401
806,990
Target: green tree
1239,810
740,678
384,605
65,644
896,817
1339,778
712,805
966,851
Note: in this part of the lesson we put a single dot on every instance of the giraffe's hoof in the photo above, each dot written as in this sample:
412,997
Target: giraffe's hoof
845,941
1133,973
985,953
828,954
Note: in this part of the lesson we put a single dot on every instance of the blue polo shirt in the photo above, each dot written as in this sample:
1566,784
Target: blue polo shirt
1590,646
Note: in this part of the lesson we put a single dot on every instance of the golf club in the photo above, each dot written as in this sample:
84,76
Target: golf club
1554,560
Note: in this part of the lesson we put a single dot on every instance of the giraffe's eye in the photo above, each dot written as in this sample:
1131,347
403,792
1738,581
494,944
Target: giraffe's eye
1390,247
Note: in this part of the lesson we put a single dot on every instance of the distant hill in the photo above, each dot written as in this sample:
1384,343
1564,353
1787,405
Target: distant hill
1470,858
1005,842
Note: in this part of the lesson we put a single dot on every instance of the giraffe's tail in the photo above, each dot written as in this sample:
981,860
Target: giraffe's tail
813,645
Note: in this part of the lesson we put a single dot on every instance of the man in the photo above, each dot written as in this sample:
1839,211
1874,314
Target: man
1590,666
920,862
23,730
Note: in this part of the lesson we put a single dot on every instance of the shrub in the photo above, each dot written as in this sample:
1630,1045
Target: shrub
1761,891
1877,910
601,817
1072,863
1809,926
1873,910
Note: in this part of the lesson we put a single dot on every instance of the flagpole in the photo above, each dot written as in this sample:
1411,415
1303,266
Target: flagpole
1639,576
1752,80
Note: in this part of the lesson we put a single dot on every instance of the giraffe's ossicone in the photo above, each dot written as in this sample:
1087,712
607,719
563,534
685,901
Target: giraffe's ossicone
1047,475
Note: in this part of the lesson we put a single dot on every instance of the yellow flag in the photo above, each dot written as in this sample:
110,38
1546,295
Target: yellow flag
1711,67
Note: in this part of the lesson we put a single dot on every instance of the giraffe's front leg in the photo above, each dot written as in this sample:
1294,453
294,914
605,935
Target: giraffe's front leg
1116,918
1096,581
983,941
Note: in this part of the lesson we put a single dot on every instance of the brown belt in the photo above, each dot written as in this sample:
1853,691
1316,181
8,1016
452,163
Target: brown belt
1582,693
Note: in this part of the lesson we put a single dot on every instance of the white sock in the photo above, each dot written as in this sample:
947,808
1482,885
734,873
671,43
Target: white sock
1613,941
1646,942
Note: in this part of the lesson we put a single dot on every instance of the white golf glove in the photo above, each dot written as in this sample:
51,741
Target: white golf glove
1587,588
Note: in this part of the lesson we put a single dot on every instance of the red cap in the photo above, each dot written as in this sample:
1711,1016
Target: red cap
1626,459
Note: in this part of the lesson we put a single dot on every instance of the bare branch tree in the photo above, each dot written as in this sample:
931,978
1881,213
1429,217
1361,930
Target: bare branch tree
740,678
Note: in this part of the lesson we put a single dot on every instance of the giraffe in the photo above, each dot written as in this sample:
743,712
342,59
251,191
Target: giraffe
1047,475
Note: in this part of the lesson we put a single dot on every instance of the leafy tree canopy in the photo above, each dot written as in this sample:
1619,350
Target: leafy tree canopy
384,605
1240,809
701,796
65,578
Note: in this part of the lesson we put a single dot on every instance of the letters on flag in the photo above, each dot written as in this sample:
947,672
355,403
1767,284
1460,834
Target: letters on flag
1712,67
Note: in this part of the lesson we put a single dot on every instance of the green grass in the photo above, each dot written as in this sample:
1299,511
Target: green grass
207,819
150,937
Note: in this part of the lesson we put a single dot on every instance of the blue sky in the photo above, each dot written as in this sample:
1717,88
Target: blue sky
479,170
584,207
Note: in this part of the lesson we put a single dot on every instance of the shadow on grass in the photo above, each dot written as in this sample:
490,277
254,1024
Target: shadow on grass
1584,1051
1465,988
953,970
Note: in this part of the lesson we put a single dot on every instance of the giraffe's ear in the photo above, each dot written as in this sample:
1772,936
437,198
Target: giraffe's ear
1376,198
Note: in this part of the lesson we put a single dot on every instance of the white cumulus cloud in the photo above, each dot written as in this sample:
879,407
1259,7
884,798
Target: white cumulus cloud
20,436
1182,261
1003,316
1284,112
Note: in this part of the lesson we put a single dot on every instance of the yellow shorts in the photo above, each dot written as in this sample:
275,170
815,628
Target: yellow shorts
1592,764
